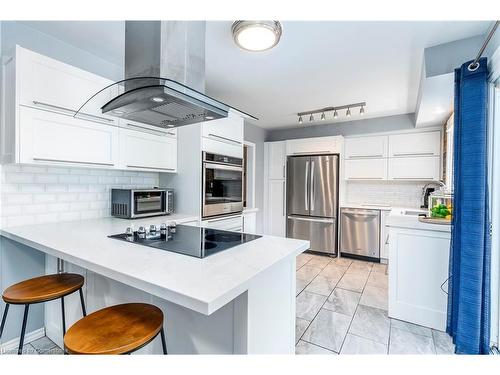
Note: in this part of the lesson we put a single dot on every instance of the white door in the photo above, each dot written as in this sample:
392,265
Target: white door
277,159
48,137
366,147
415,168
415,144
365,169
140,150
276,208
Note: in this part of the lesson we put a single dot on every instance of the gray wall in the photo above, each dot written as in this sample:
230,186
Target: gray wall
257,135
16,33
372,125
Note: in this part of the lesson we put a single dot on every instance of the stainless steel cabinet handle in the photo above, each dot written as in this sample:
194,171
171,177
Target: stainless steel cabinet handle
224,138
140,166
71,112
365,178
283,198
366,156
387,240
283,170
412,153
413,178
71,161
147,130
312,152
306,195
312,185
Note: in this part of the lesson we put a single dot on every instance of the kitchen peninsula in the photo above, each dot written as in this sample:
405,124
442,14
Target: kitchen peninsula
239,301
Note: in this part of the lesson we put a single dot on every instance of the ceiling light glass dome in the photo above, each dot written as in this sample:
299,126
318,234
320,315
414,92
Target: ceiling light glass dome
256,35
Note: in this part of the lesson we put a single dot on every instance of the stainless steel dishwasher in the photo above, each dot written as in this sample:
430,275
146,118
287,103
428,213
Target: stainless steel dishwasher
360,233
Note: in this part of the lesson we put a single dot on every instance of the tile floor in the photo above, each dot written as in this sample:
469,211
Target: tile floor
342,309
40,346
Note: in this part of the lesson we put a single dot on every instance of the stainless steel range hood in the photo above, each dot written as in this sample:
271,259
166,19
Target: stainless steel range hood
165,75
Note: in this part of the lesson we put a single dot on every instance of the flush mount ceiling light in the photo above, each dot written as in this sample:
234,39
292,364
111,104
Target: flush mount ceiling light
256,35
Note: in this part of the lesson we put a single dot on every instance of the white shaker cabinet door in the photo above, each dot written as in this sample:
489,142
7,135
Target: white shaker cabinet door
365,169
366,147
51,138
229,129
276,222
141,150
415,168
415,144
276,159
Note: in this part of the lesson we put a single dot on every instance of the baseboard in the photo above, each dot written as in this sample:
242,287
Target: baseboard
29,337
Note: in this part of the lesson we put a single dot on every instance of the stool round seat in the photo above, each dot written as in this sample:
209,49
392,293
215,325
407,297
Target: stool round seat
43,288
119,329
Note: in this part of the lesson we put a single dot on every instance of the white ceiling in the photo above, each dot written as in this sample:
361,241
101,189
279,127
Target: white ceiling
316,64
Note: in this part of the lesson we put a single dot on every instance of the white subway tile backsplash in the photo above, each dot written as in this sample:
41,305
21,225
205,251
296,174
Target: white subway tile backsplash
394,193
38,194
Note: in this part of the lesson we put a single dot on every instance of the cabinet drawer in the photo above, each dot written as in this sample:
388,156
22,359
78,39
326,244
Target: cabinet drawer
48,137
366,147
416,168
415,144
233,223
366,169
222,148
145,151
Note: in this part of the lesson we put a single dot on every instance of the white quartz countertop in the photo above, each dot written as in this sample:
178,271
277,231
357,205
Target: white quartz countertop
399,220
203,285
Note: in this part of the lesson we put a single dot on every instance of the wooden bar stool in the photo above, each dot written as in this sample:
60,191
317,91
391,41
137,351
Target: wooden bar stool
120,329
41,289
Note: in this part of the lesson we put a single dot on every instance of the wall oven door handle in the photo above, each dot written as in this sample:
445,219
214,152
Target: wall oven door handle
222,167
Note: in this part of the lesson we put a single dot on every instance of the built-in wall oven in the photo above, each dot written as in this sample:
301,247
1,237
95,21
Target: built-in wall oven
222,185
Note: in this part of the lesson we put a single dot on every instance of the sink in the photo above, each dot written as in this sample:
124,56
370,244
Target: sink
414,212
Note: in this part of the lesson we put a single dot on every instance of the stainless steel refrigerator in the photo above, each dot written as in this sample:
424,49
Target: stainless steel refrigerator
312,200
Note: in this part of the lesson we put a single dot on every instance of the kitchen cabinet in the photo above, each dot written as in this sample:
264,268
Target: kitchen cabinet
49,138
276,211
229,129
366,147
276,159
415,144
318,145
231,223
148,149
418,267
365,169
424,168
249,222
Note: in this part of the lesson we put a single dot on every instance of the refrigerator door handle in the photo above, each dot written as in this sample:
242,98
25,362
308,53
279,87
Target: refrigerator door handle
315,220
306,194
312,186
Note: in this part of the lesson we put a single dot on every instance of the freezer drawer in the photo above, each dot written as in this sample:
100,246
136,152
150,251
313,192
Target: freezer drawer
321,232
360,232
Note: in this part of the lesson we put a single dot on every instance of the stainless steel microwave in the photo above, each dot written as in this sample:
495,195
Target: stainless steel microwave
222,185
135,203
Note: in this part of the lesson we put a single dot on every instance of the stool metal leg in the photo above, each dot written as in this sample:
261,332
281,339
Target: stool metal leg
84,312
63,316
23,330
4,318
163,341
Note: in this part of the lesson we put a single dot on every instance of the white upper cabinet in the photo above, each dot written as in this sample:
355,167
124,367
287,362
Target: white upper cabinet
229,129
319,145
366,147
147,150
415,144
366,169
49,138
276,159
52,85
422,168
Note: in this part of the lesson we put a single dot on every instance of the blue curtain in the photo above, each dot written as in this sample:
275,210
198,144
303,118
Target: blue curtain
469,283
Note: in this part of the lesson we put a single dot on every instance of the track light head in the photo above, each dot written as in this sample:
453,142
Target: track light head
323,116
300,119
362,111
348,113
335,114
311,118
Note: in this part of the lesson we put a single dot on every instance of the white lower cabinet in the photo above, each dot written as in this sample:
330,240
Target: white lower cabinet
47,137
418,267
231,223
141,150
366,169
276,211
249,222
425,168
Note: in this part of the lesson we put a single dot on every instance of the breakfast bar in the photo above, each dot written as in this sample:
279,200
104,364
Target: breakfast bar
240,300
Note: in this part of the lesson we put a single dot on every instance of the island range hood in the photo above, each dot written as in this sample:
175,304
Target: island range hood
165,75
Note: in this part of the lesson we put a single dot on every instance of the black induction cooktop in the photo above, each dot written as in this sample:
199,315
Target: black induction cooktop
188,240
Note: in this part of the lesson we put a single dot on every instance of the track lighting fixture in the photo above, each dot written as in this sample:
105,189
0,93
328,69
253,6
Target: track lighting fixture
335,110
